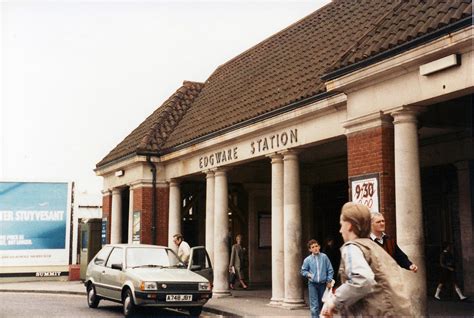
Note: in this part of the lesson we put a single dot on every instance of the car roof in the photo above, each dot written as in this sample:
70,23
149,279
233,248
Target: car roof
135,245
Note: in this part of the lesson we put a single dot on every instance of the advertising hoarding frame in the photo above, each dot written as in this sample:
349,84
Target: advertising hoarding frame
20,260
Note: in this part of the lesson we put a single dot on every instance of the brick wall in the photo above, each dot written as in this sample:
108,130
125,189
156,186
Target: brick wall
372,151
142,201
107,212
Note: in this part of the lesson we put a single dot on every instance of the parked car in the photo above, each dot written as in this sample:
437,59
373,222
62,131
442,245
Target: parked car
149,275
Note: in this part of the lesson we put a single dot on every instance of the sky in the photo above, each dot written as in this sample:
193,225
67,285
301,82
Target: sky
78,76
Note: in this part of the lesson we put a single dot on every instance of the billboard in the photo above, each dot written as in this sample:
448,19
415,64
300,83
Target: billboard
34,223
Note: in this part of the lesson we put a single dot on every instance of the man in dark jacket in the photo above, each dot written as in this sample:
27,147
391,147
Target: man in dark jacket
378,236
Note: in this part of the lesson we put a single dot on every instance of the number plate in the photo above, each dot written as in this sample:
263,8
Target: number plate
179,297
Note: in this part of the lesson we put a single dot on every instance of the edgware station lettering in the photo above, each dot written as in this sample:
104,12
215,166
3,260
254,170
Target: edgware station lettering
256,147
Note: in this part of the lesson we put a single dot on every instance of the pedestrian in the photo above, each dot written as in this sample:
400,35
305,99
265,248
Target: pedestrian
371,279
334,254
379,236
237,263
448,274
318,270
183,247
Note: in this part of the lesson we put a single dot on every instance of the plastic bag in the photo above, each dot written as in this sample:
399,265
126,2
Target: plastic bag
328,292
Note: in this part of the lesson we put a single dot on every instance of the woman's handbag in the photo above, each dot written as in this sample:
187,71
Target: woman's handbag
232,275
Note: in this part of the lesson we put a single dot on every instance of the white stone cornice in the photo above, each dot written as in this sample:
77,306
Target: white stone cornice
372,120
124,163
329,105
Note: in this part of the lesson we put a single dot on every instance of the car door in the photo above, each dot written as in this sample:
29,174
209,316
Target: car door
200,263
112,275
96,268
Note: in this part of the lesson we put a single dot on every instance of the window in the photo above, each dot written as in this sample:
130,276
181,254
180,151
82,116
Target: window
102,256
116,257
142,256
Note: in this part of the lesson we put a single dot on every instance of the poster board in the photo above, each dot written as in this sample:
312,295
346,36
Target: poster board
365,190
35,222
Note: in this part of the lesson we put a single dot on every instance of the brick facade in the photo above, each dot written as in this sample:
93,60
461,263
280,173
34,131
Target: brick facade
142,201
372,151
107,212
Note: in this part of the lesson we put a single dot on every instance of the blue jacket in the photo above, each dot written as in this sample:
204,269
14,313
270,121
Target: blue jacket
320,268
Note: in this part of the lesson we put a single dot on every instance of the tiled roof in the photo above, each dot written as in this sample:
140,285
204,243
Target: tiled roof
150,135
408,21
283,69
288,67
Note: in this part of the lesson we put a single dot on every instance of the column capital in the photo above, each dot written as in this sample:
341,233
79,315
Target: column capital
290,154
174,182
221,171
116,191
372,120
275,157
406,114
462,165
209,173
106,192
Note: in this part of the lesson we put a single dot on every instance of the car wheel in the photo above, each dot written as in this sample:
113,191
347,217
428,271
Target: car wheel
195,311
92,298
128,304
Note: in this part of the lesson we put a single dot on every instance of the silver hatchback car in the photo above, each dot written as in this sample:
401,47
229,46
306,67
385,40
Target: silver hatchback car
149,275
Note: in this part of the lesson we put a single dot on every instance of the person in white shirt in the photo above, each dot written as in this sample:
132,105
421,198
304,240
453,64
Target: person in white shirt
183,248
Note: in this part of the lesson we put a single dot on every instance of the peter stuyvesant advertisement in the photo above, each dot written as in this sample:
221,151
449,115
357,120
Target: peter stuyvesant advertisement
34,223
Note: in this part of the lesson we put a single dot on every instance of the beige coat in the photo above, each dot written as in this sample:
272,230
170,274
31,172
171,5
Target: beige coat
387,297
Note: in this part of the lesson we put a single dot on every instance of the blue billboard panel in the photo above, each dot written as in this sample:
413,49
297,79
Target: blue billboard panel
33,216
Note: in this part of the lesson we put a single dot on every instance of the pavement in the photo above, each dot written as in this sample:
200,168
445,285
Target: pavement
252,302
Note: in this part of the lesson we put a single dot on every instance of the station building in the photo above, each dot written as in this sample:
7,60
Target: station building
366,101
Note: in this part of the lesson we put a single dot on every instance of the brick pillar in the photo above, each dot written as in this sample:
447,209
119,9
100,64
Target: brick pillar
370,150
107,209
142,201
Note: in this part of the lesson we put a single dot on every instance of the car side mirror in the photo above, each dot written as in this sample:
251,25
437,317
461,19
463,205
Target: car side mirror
117,266
196,267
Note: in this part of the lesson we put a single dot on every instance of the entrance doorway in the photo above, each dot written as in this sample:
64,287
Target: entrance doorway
124,214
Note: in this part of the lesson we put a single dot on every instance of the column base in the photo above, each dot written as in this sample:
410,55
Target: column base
292,304
221,293
275,302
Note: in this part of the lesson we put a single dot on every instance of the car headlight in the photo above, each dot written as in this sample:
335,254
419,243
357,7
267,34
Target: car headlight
148,286
204,286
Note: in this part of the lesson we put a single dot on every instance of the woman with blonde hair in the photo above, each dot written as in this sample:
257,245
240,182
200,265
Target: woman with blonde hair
237,262
371,281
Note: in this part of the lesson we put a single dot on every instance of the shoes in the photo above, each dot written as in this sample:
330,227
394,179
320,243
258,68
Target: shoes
464,298
231,286
437,297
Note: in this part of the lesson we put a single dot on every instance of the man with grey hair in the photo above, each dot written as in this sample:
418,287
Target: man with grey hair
379,236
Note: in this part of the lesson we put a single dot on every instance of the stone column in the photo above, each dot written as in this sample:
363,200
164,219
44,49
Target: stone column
292,231
278,280
174,225
116,222
221,234
465,220
130,217
210,214
408,204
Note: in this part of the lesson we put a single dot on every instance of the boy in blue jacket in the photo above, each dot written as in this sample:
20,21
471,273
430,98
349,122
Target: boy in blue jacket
318,270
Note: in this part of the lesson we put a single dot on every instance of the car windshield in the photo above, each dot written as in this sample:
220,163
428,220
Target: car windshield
152,257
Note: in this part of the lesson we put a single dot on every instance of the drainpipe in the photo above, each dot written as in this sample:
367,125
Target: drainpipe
153,198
